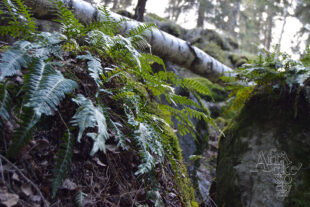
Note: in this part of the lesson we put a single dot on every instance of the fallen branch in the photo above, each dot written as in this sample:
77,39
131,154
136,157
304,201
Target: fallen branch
45,202
163,44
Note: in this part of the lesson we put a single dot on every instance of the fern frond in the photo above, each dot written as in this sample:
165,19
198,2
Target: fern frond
24,11
181,100
123,95
80,196
12,61
94,67
148,141
22,134
195,85
107,23
20,22
70,25
119,136
88,115
5,100
38,69
63,160
51,91
141,29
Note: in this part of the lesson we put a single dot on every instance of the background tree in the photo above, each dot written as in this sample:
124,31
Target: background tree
139,11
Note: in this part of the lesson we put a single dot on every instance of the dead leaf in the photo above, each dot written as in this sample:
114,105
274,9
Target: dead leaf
26,189
36,199
15,177
112,148
96,159
69,185
8,199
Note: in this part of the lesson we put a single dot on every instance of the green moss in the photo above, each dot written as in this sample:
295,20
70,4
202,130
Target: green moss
174,154
172,29
156,17
215,51
215,37
4,48
265,111
238,60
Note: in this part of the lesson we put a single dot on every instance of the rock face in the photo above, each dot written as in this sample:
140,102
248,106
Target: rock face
264,157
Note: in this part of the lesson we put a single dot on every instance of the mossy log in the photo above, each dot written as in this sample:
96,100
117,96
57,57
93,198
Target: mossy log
163,44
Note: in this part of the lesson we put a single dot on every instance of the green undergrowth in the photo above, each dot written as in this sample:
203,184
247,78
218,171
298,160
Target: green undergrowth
113,94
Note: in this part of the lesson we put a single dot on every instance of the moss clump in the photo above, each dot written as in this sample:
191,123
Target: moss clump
155,17
238,60
172,29
215,37
4,49
174,154
215,51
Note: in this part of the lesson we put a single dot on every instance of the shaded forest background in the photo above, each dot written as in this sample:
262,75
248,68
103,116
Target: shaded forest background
253,23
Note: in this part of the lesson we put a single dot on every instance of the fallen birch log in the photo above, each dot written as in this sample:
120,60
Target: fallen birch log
163,44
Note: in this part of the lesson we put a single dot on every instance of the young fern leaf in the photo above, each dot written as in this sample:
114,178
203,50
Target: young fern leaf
88,115
51,91
22,134
63,160
94,67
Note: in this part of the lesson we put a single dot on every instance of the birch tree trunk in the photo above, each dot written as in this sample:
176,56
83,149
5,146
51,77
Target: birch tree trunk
163,44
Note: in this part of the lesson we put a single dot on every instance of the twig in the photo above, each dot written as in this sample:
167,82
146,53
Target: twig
2,169
45,202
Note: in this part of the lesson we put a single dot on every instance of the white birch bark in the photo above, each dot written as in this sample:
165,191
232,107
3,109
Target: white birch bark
163,44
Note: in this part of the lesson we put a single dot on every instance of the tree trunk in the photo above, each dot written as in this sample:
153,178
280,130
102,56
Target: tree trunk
164,45
139,11
232,23
115,4
201,14
268,37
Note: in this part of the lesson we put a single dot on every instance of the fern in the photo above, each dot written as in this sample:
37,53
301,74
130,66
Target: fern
20,22
107,24
195,85
63,159
88,115
51,91
22,134
80,196
5,100
70,25
94,67
12,61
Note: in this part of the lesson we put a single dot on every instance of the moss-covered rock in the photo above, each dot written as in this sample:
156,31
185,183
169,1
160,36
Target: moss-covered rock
237,60
267,124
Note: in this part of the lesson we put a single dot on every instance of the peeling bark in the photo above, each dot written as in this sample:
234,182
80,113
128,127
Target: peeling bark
163,45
